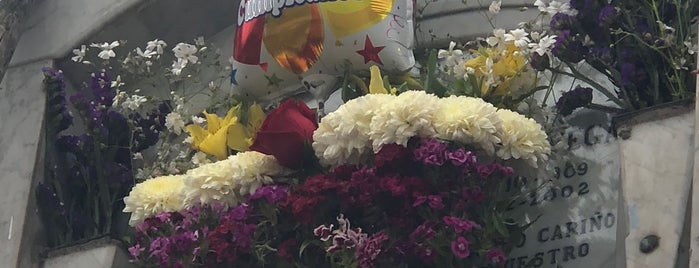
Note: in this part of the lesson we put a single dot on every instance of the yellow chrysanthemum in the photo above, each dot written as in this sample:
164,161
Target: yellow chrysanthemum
153,196
227,132
522,138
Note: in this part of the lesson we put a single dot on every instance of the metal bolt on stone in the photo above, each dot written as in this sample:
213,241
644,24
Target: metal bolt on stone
649,243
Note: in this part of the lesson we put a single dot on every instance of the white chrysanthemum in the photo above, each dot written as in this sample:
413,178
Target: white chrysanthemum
227,181
468,120
253,169
408,115
342,136
153,196
522,138
211,183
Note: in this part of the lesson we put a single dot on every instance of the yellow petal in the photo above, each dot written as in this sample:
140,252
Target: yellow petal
216,144
237,138
255,118
230,116
213,122
376,82
197,133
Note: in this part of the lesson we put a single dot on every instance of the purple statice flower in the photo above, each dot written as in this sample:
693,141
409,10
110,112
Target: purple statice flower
102,91
630,74
369,249
460,248
48,199
574,99
117,173
496,256
272,193
430,151
461,158
77,145
473,194
562,21
57,108
601,54
539,62
135,251
568,48
607,16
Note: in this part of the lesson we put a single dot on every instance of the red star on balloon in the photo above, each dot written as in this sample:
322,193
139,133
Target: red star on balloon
370,52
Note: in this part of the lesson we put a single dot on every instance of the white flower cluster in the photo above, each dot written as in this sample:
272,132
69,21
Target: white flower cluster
230,180
363,125
225,182
154,196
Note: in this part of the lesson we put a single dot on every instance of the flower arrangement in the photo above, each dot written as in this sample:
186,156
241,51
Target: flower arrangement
420,186
106,135
645,48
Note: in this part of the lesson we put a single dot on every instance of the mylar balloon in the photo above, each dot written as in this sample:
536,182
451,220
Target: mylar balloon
279,43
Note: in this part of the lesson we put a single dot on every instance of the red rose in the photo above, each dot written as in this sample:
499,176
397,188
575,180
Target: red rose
285,131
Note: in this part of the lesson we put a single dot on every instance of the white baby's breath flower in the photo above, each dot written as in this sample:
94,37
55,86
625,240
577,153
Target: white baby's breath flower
145,54
555,7
450,56
185,52
154,196
156,45
494,7
200,158
542,5
522,138
545,44
199,41
178,65
137,156
117,83
198,120
174,123
692,47
188,140
107,49
519,36
79,54
133,102
119,97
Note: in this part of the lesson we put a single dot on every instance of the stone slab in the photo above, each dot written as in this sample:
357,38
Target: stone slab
22,104
657,163
54,28
99,256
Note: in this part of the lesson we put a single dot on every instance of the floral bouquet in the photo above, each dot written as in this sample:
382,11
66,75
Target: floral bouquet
409,180
645,48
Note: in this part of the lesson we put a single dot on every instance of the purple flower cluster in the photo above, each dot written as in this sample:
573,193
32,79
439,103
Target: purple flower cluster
574,99
433,152
59,117
631,46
